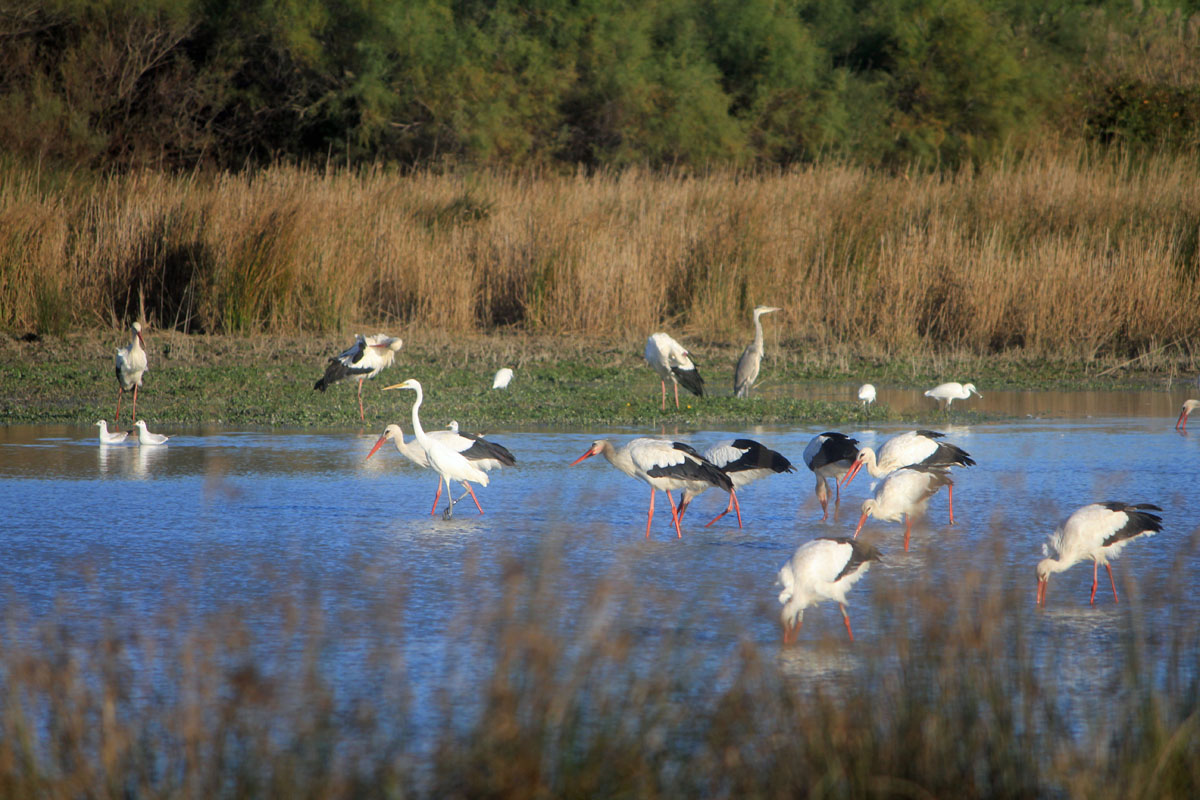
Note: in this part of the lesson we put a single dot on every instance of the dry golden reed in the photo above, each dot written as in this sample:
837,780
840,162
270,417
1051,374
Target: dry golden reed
1065,255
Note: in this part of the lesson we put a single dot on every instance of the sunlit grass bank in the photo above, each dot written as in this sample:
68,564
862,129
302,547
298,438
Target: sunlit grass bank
557,684
1066,257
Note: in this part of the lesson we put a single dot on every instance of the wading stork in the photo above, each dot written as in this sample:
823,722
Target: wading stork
450,464
830,455
911,449
744,461
1188,407
131,366
366,358
947,393
1098,531
823,569
486,455
904,493
664,465
668,358
747,367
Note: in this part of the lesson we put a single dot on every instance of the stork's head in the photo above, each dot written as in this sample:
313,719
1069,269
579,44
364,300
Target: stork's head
137,331
1044,568
596,449
864,455
390,432
1188,407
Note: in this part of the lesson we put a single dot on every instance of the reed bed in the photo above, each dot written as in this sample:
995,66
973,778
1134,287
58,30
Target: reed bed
1065,256
592,692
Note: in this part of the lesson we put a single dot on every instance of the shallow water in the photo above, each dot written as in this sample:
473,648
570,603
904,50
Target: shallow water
219,519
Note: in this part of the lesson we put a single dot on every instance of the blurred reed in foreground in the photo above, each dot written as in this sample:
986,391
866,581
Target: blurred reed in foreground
1066,256
958,693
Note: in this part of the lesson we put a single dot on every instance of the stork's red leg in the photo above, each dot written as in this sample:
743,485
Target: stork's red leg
907,530
650,516
120,394
1095,580
664,395
1111,581
674,516
728,508
737,507
950,489
134,412
676,385
437,496
473,497
846,619
361,415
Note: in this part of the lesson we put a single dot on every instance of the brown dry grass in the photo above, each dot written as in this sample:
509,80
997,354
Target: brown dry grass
1065,256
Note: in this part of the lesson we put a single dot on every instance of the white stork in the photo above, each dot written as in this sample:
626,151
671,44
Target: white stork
116,437
947,393
823,569
904,493
911,449
145,437
747,367
131,366
1098,531
668,358
744,461
1188,407
479,451
830,455
866,393
450,464
662,464
366,358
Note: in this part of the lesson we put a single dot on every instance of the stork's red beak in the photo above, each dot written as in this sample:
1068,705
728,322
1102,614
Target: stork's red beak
850,473
1041,592
1181,423
588,454
378,445
861,521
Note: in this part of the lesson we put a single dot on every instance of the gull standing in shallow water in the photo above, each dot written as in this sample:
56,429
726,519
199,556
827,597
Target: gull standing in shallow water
145,437
866,393
823,569
1098,531
116,437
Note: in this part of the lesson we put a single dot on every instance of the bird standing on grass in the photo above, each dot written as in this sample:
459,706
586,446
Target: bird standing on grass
830,455
131,366
746,372
947,393
823,569
668,358
369,356
504,376
866,393
662,464
1098,531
